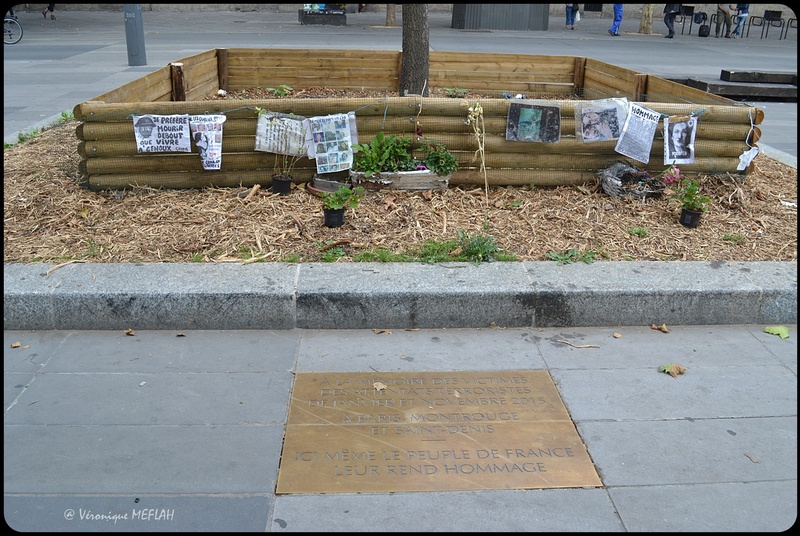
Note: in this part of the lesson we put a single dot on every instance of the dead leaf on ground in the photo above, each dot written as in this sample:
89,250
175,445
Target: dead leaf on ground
130,332
673,369
663,328
379,386
16,344
753,457
780,331
381,332
617,335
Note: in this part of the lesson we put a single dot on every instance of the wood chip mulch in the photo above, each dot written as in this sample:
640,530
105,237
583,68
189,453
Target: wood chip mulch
50,217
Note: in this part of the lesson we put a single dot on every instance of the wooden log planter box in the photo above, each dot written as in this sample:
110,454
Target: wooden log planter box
109,158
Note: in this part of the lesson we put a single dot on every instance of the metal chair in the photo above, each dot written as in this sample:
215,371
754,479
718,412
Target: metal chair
770,18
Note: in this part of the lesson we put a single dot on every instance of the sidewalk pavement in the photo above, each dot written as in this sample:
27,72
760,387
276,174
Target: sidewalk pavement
179,426
158,432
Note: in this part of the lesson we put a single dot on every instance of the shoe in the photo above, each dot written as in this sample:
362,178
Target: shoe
670,36
572,28
616,35
53,16
611,33
44,13
566,27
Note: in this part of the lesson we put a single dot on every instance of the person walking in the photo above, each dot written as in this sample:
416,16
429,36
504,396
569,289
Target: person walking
670,12
571,10
614,30
723,19
51,8
742,11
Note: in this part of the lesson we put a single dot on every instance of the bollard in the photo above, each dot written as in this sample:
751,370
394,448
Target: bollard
134,34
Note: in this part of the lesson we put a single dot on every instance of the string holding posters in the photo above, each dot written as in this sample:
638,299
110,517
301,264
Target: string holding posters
533,122
207,137
331,141
600,120
679,132
636,138
162,133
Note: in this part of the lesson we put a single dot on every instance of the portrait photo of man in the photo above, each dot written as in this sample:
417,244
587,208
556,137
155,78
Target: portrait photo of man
680,141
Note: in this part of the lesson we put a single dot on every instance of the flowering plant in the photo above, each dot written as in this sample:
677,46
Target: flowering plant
671,175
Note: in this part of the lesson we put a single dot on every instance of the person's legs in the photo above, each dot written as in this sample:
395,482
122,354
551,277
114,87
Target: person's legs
739,25
669,20
570,17
720,22
614,30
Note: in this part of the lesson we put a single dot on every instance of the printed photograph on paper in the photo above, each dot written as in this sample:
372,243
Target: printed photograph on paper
679,140
600,120
533,122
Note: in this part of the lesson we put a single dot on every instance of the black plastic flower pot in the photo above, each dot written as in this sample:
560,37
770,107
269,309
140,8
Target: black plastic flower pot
281,187
334,217
690,218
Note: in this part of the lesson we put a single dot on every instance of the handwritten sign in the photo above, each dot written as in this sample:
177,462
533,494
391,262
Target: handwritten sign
161,133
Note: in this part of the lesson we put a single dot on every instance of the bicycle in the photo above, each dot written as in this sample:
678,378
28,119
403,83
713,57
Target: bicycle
12,31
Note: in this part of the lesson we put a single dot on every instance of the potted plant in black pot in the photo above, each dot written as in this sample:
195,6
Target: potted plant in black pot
283,135
387,162
334,203
692,202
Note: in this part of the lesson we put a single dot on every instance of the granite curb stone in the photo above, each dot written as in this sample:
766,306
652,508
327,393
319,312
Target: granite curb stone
281,296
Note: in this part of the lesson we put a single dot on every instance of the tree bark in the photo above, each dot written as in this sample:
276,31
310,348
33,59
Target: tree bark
415,66
646,22
390,15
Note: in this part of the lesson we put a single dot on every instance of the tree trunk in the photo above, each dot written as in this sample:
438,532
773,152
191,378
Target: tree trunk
390,15
646,22
415,67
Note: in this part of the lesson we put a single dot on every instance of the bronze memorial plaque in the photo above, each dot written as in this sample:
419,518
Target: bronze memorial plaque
430,431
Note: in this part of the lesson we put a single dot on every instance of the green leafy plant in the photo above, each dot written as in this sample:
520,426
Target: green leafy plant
475,248
281,91
638,231
687,192
570,256
383,153
332,254
438,158
381,255
454,92
735,238
343,197
478,247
